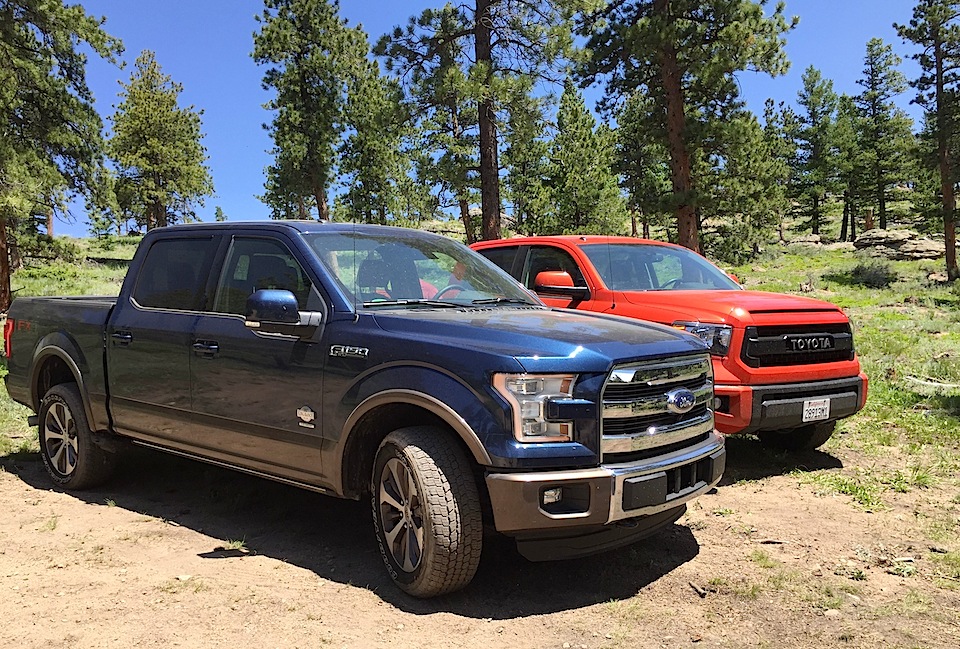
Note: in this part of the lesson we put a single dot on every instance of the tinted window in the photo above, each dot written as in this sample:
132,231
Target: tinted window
254,264
174,274
501,256
544,258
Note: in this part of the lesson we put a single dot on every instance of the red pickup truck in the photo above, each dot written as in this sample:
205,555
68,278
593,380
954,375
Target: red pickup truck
784,366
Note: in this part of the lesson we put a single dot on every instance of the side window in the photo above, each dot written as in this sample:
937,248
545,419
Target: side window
501,256
174,274
253,264
543,258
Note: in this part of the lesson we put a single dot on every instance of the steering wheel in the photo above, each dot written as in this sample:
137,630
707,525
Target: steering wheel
672,283
451,287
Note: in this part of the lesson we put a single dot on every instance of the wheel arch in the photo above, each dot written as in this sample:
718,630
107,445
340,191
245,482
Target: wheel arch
53,365
384,412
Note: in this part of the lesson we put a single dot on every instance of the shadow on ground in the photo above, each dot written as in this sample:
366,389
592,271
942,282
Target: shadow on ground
748,459
334,539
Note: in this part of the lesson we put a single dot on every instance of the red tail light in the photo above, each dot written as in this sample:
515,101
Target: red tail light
7,333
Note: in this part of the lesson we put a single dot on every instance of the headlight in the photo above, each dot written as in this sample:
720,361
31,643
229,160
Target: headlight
527,395
716,336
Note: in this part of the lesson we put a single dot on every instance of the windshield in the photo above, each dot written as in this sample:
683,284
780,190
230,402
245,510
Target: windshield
643,267
398,268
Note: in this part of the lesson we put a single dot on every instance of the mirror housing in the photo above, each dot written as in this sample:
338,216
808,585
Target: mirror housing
276,311
559,282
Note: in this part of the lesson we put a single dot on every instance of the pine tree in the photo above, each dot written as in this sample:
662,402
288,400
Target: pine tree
310,54
817,162
51,144
526,159
156,146
431,60
642,166
685,55
854,163
491,43
370,162
585,192
935,28
887,129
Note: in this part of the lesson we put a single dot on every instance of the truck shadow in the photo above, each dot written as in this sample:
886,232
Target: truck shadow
748,459
334,539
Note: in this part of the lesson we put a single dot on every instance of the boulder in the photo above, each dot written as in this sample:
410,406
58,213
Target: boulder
898,245
807,240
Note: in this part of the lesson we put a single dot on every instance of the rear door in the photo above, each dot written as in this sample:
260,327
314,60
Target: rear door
257,397
149,339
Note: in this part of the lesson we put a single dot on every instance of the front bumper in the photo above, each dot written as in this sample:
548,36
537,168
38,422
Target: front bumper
748,409
654,490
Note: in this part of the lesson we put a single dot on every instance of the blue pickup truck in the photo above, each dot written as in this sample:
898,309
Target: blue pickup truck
376,363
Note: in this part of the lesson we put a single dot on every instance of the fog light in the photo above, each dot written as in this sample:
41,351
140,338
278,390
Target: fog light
551,496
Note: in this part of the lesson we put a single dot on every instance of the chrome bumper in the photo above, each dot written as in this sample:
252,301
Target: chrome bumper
606,494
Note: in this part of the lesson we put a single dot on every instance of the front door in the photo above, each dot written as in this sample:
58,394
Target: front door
257,397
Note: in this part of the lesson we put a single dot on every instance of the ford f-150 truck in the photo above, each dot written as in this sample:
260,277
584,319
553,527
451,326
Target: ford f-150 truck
784,366
381,363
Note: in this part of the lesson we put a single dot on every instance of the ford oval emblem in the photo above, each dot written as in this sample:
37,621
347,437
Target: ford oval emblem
681,401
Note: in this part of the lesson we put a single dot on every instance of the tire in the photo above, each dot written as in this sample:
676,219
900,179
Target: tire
426,511
806,438
69,453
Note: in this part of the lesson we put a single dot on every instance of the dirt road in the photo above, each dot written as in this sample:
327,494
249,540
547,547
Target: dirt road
176,553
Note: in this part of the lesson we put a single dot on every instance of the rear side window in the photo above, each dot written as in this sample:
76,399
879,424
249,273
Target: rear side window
501,256
174,274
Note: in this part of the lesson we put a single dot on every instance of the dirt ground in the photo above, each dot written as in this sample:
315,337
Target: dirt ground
176,553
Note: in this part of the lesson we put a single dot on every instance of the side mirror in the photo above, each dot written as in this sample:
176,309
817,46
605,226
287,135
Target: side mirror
734,277
559,282
275,312
272,306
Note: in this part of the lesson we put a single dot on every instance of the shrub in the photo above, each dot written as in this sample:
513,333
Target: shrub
874,274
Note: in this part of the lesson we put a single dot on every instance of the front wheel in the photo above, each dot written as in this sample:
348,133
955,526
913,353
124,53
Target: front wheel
806,438
69,453
426,511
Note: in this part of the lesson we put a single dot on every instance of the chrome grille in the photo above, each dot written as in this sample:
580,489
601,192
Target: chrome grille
637,420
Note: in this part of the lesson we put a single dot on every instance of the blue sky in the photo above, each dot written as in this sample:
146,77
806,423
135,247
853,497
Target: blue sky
205,45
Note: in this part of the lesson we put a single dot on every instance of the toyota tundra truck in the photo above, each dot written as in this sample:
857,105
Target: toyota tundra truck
784,366
376,363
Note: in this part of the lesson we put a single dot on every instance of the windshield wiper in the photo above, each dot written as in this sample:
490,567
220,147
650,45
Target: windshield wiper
413,302
502,300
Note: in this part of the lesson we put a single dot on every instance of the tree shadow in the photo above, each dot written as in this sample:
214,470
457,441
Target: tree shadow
749,459
334,539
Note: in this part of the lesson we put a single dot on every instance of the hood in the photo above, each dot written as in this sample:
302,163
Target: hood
736,308
541,339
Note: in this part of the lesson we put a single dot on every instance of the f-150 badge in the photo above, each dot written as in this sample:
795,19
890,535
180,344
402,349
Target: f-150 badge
348,351
306,415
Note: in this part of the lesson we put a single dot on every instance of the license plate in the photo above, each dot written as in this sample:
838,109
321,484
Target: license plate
816,409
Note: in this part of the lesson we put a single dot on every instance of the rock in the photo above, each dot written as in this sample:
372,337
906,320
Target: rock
847,246
898,245
831,612
807,240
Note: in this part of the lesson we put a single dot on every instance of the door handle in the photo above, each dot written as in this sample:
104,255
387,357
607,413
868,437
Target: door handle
206,348
122,338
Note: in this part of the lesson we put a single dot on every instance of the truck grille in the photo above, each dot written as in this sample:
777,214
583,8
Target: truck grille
797,345
656,407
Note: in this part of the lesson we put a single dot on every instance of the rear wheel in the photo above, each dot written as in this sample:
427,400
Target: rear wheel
69,453
426,511
806,438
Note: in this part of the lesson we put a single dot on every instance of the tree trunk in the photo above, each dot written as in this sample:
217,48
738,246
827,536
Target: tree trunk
6,297
467,220
846,215
486,119
681,176
50,222
881,202
816,215
946,184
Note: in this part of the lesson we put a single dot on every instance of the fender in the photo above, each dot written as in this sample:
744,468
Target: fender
61,346
429,403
